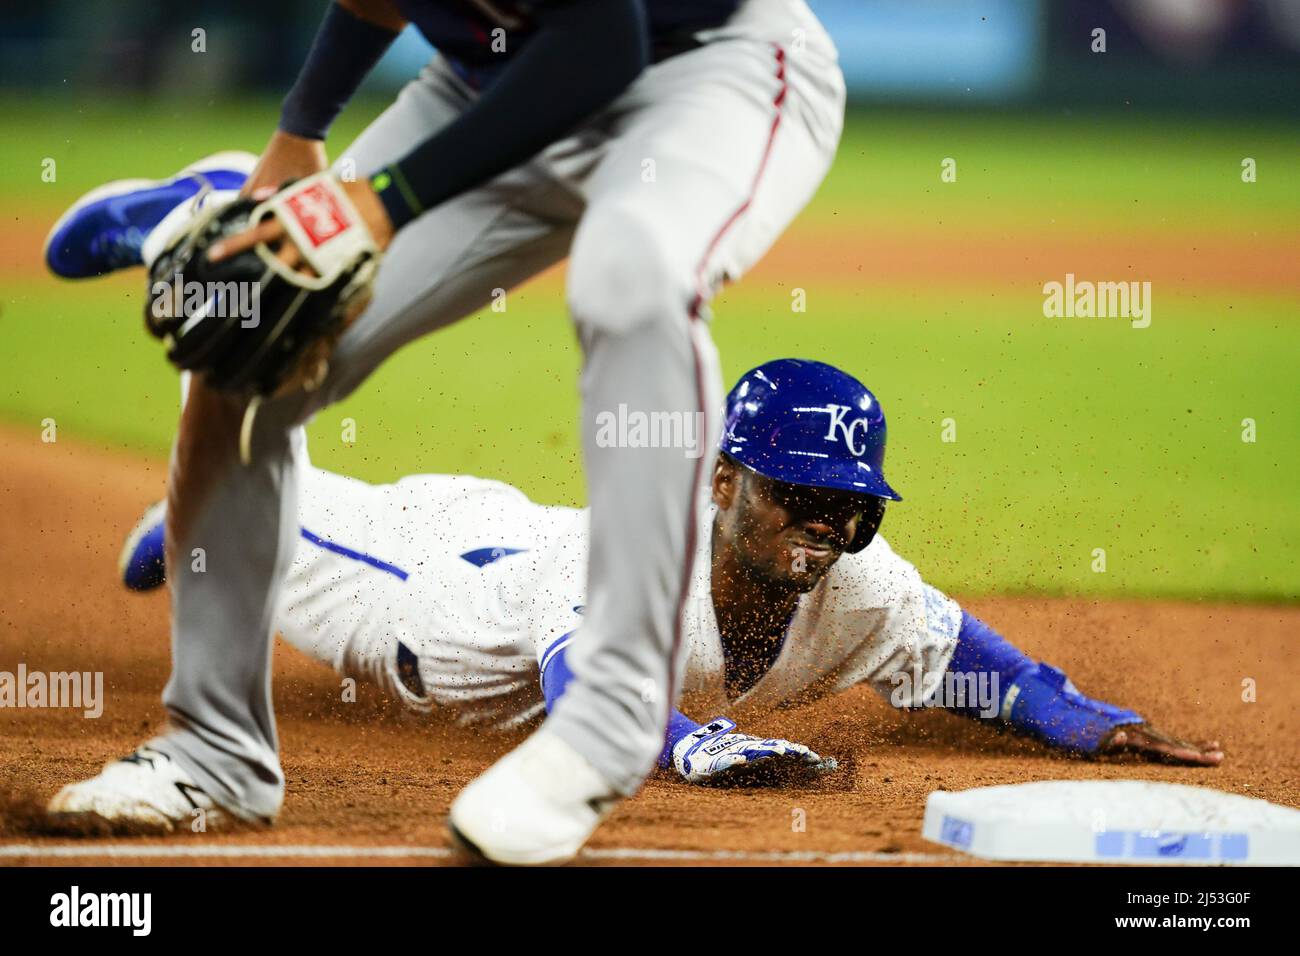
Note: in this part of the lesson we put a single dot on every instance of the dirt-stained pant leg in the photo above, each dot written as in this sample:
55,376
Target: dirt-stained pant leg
233,535
709,157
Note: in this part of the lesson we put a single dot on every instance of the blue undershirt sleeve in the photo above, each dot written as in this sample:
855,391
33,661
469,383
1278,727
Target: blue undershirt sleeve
1035,698
346,48
556,676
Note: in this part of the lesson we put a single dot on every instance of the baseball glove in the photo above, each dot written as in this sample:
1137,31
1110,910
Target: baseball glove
251,325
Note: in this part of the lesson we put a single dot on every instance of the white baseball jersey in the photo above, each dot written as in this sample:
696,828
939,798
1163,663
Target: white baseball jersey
477,587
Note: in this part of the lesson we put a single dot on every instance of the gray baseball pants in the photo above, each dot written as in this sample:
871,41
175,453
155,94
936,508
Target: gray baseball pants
678,186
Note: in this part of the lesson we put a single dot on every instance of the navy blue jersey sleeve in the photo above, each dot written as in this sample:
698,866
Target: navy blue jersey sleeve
346,48
581,55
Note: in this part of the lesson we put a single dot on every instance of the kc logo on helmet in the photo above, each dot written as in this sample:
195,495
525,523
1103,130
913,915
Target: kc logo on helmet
848,430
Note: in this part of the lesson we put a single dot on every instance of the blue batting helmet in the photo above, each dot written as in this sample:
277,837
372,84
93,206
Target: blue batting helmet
808,423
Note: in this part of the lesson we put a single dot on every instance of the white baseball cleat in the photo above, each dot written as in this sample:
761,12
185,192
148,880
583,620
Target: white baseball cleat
535,806
147,792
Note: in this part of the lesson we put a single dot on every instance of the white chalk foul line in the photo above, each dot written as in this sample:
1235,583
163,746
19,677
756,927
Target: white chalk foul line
766,856
67,851
72,851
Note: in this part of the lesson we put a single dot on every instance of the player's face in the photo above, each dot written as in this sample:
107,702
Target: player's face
790,535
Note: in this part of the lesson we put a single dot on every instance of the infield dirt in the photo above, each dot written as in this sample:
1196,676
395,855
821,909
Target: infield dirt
365,774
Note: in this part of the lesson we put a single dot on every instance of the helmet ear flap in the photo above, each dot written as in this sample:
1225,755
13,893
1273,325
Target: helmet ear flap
868,525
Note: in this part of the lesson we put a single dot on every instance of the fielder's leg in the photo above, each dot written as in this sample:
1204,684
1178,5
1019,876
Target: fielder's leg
232,529
711,154
734,160
440,268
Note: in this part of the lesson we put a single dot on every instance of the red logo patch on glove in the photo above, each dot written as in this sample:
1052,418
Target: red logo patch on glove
319,213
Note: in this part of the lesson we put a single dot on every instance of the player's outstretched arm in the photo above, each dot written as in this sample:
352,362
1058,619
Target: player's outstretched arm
352,37
712,754
1040,700
583,54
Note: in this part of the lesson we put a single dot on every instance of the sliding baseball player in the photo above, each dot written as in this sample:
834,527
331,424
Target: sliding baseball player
461,596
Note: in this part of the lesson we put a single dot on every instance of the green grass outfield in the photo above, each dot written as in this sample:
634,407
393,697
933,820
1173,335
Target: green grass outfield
1072,435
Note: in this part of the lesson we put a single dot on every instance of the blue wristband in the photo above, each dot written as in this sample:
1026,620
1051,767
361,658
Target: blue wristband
1035,698
395,193
679,726
1043,702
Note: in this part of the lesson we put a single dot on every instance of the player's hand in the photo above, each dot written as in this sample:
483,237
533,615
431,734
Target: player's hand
715,755
271,231
286,157
1155,745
